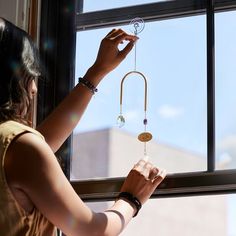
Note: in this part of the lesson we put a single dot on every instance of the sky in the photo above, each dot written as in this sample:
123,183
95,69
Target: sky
172,55
175,95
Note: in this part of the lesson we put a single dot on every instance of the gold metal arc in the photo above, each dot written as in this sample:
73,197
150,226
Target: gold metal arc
145,87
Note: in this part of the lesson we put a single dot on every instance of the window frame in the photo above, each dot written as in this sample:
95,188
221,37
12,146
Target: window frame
104,189
57,42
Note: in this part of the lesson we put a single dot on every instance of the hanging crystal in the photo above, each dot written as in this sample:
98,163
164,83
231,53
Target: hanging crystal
120,121
137,26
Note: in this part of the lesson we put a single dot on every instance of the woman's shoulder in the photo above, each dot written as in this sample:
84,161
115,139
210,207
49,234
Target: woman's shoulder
27,159
25,151
15,128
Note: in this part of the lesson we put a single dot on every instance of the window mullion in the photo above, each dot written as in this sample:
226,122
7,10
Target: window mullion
210,86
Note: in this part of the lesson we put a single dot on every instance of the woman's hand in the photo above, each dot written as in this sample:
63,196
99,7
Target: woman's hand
142,180
109,56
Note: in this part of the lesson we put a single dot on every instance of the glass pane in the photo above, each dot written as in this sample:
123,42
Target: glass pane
195,216
91,5
225,90
172,56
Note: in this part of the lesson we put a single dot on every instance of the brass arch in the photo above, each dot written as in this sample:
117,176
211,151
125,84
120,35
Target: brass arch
145,88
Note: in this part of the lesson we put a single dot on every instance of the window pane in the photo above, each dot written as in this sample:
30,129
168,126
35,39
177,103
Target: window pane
172,55
225,90
195,216
89,5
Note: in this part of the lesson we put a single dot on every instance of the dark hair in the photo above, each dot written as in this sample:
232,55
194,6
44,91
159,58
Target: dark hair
19,65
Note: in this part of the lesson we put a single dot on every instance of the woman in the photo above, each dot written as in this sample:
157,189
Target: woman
35,195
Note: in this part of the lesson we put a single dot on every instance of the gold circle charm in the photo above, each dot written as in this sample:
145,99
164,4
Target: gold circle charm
145,137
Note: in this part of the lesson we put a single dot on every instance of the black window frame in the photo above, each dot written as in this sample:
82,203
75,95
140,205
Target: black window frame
179,184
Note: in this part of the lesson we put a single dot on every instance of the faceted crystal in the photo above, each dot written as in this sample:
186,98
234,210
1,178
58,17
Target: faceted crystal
120,121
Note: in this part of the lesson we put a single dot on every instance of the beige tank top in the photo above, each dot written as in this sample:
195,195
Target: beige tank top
14,221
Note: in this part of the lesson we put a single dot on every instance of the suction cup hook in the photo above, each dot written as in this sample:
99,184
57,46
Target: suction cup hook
137,25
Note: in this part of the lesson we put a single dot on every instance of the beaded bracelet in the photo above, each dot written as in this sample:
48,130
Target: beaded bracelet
130,198
88,85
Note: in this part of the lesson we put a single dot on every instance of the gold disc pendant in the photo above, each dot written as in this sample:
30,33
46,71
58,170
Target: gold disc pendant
145,137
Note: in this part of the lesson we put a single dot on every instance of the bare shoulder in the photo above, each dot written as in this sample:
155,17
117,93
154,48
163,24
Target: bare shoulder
28,155
29,145
29,139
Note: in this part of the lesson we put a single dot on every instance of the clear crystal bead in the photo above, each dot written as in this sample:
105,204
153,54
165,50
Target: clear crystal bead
120,121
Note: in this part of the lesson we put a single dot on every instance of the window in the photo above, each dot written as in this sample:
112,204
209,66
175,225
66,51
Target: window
225,94
181,117
191,25
213,115
176,102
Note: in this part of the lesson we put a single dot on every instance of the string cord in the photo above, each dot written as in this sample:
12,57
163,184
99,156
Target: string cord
136,26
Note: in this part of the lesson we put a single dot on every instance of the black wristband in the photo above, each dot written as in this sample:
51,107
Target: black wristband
130,198
88,84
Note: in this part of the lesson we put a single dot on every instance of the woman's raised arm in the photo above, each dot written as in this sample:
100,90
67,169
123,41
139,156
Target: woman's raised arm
58,125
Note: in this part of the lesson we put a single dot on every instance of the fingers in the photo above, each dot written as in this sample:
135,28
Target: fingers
139,166
142,180
126,50
150,172
153,173
109,56
147,169
159,178
112,31
124,36
118,35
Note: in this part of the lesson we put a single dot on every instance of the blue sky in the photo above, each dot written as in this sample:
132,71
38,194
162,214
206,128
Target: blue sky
176,83
172,55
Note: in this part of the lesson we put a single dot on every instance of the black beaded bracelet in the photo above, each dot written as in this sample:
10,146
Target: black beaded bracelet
88,85
130,198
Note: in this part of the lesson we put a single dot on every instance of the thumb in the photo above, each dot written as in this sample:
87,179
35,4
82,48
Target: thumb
127,49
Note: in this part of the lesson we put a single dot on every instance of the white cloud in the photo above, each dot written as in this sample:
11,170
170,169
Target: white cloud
170,112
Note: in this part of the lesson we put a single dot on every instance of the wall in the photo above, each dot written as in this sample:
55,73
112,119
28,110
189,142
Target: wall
15,11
